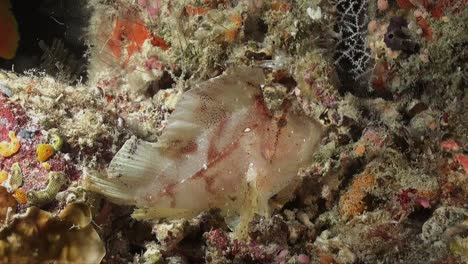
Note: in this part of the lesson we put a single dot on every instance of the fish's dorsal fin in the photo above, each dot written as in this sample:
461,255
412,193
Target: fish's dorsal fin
208,103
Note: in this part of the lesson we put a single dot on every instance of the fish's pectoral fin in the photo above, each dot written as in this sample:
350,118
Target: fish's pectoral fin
135,166
138,161
116,191
255,203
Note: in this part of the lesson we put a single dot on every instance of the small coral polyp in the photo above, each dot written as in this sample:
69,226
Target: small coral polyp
15,178
20,196
3,176
44,152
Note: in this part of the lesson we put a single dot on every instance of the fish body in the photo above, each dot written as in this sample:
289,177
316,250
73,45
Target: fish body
222,148
9,36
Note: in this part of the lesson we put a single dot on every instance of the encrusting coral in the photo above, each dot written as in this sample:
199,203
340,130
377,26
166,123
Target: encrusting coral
47,195
7,204
38,236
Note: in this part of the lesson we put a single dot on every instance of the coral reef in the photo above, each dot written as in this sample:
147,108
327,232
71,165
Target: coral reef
36,237
386,80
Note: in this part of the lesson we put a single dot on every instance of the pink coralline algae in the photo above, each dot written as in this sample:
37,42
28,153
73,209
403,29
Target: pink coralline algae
235,249
35,174
409,199
463,161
